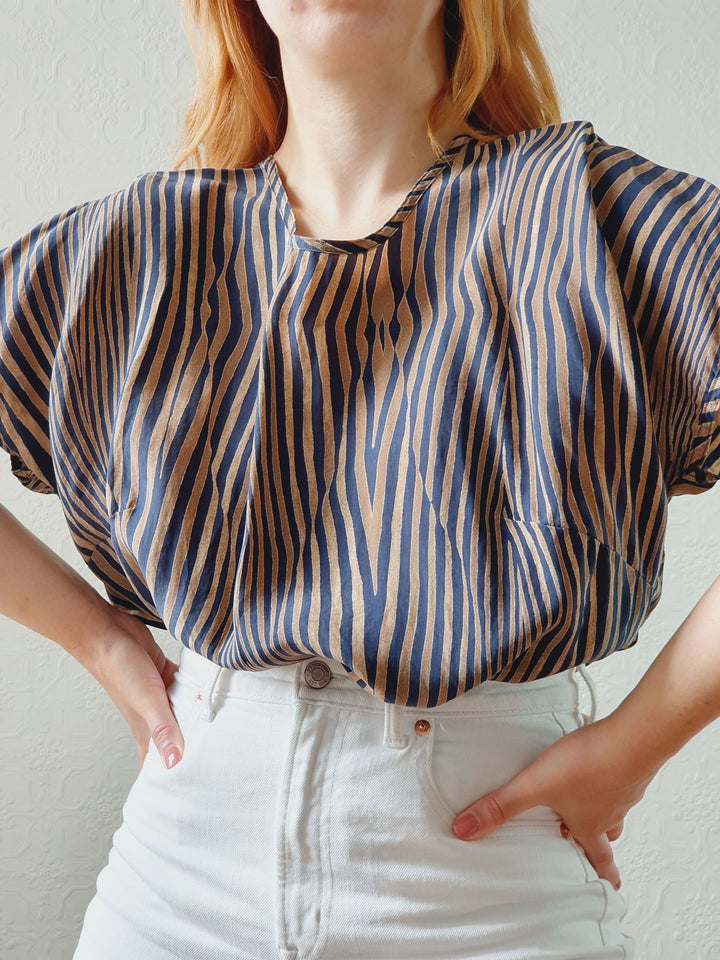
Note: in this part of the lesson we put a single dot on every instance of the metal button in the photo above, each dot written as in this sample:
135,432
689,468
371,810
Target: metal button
422,727
317,673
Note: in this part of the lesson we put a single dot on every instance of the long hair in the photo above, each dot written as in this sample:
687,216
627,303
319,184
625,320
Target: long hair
498,79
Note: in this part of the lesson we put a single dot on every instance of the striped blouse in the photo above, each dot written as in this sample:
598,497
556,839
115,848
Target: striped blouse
440,454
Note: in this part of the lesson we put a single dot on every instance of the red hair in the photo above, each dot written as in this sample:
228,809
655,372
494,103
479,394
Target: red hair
498,79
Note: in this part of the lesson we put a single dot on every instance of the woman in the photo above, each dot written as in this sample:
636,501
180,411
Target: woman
379,413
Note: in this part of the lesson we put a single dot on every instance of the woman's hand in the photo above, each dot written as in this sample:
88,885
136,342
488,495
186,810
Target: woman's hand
127,662
585,777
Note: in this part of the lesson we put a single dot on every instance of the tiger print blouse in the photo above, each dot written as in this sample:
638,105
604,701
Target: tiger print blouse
440,454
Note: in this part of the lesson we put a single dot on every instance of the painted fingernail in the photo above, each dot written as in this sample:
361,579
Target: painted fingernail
465,826
564,830
172,757
618,884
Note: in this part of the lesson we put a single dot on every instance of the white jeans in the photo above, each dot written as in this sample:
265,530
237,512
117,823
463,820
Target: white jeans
314,821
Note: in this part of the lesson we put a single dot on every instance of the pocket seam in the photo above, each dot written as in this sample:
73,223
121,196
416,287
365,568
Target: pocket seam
559,722
510,517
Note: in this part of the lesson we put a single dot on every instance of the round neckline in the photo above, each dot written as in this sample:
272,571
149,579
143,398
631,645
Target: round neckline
359,244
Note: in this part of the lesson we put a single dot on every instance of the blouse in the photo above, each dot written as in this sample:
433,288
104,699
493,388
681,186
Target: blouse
439,454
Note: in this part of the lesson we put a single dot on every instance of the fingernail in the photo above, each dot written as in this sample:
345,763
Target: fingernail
171,757
618,884
564,830
465,826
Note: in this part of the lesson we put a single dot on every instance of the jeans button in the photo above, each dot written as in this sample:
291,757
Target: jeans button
317,673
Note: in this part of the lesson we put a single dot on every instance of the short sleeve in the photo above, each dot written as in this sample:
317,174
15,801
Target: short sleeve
662,229
36,279
65,295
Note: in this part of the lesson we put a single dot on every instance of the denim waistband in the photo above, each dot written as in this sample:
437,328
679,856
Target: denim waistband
286,683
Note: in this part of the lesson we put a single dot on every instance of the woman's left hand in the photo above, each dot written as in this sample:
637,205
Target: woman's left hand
586,777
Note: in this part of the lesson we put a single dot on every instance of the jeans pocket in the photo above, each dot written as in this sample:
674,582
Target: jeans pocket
463,757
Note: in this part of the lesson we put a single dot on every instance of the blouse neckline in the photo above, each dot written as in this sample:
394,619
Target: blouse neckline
302,242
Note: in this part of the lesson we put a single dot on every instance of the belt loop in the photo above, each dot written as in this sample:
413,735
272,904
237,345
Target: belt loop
393,736
593,692
206,710
574,673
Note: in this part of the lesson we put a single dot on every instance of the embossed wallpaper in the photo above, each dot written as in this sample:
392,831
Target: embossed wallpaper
91,94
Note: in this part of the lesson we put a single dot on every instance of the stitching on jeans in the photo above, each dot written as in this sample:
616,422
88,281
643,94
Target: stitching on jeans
327,899
393,719
421,711
248,696
576,707
590,879
206,706
590,683
559,723
425,778
376,704
436,711
282,814
601,921
219,697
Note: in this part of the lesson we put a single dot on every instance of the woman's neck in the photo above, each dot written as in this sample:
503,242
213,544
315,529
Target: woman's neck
356,138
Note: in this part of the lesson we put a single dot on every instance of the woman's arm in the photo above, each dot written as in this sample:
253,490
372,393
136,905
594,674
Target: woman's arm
42,592
679,693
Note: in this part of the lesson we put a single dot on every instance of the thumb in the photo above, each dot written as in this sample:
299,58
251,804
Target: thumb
492,810
165,734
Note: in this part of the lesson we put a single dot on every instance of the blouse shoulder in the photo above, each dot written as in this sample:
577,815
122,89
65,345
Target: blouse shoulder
660,229
66,302
42,274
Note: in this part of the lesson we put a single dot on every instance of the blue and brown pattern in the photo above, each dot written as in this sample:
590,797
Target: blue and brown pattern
441,454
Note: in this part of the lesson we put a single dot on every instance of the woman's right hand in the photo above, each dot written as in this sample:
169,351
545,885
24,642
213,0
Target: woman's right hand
128,663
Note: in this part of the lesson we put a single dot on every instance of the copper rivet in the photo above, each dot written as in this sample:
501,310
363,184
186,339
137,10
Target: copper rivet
422,727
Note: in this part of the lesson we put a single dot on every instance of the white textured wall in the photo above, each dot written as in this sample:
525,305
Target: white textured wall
91,94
